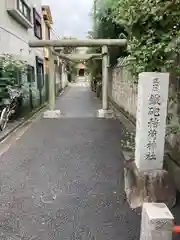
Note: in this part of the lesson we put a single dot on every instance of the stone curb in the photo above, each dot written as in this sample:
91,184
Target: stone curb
23,122
127,121
30,116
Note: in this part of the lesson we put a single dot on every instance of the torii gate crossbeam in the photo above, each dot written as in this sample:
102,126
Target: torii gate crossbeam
104,43
78,43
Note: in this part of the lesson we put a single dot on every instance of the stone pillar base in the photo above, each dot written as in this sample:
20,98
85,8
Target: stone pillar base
156,222
52,114
147,186
105,113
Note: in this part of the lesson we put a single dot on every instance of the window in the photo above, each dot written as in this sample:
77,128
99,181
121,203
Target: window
40,73
49,33
37,24
24,9
30,74
37,29
20,6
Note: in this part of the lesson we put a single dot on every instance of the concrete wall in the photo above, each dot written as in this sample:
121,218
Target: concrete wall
123,92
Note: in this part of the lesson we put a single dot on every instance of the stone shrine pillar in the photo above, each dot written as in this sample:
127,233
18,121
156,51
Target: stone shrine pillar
145,178
151,120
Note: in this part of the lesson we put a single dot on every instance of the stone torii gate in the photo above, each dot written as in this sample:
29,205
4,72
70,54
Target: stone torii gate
145,176
53,46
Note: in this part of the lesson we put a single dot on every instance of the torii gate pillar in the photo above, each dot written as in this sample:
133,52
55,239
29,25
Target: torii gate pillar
104,43
105,111
52,112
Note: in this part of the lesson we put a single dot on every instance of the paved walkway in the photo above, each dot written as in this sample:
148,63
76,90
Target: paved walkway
63,178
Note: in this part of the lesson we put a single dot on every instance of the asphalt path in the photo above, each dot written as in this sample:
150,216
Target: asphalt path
62,179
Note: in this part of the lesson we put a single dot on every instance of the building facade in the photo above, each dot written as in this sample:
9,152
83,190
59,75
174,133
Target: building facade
21,21
48,34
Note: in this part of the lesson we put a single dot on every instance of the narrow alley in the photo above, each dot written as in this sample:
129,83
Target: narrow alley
63,178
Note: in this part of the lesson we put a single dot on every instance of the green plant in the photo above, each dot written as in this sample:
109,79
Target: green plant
105,27
12,67
152,27
128,142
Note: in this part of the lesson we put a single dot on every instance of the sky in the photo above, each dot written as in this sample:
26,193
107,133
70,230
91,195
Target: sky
71,17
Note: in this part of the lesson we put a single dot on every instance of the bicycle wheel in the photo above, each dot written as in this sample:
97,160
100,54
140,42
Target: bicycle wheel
3,119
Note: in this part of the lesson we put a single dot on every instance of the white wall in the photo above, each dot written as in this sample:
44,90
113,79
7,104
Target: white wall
37,4
14,38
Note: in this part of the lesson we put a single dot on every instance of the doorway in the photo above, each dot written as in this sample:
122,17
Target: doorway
81,72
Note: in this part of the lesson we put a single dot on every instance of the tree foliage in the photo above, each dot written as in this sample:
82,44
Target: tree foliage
11,67
152,25
105,27
70,67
